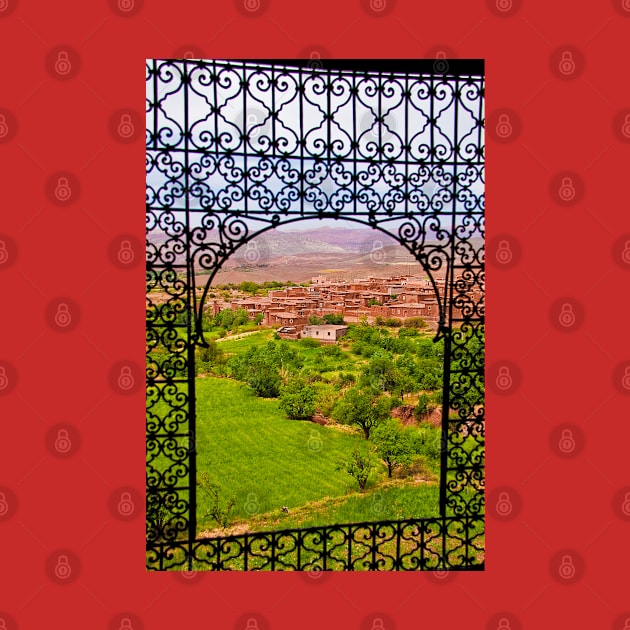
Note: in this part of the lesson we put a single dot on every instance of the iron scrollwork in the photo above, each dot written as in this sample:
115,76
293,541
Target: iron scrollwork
236,148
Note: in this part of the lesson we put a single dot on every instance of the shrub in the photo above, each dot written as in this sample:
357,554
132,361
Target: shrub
359,466
297,399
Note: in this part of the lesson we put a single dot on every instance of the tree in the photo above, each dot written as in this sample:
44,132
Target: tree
219,509
380,373
334,318
359,465
249,287
422,408
297,399
392,444
360,408
241,316
260,367
263,377
225,318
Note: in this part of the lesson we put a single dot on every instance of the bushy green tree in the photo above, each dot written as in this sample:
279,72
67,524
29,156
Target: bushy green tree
392,444
334,318
241,316
297,399
360,408
260,367
359,465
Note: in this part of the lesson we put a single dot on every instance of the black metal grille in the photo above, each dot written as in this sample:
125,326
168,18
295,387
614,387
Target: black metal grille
235,148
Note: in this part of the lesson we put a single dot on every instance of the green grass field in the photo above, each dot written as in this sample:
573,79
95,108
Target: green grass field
253,453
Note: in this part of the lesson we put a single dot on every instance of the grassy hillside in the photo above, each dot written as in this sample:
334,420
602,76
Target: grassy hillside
265,461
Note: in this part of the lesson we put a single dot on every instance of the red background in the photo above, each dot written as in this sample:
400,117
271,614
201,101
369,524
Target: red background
567,504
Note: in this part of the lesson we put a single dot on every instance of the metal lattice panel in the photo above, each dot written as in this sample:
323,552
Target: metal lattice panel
237,148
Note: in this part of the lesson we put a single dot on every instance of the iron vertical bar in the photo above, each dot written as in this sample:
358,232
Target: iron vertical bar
192,406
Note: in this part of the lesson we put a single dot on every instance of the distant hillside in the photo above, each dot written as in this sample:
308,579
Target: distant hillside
298,255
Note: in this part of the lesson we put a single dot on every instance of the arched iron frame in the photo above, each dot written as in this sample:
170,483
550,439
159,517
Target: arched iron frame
235,148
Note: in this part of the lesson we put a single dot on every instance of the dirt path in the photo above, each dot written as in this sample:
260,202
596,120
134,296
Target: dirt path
239,336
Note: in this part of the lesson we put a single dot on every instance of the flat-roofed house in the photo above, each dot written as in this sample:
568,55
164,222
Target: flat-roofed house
326,333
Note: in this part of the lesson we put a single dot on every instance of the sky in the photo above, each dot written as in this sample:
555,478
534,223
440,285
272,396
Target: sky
354,115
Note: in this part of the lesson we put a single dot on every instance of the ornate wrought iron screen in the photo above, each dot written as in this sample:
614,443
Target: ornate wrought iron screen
237,148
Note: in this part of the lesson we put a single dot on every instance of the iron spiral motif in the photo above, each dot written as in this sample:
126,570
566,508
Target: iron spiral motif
236,148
